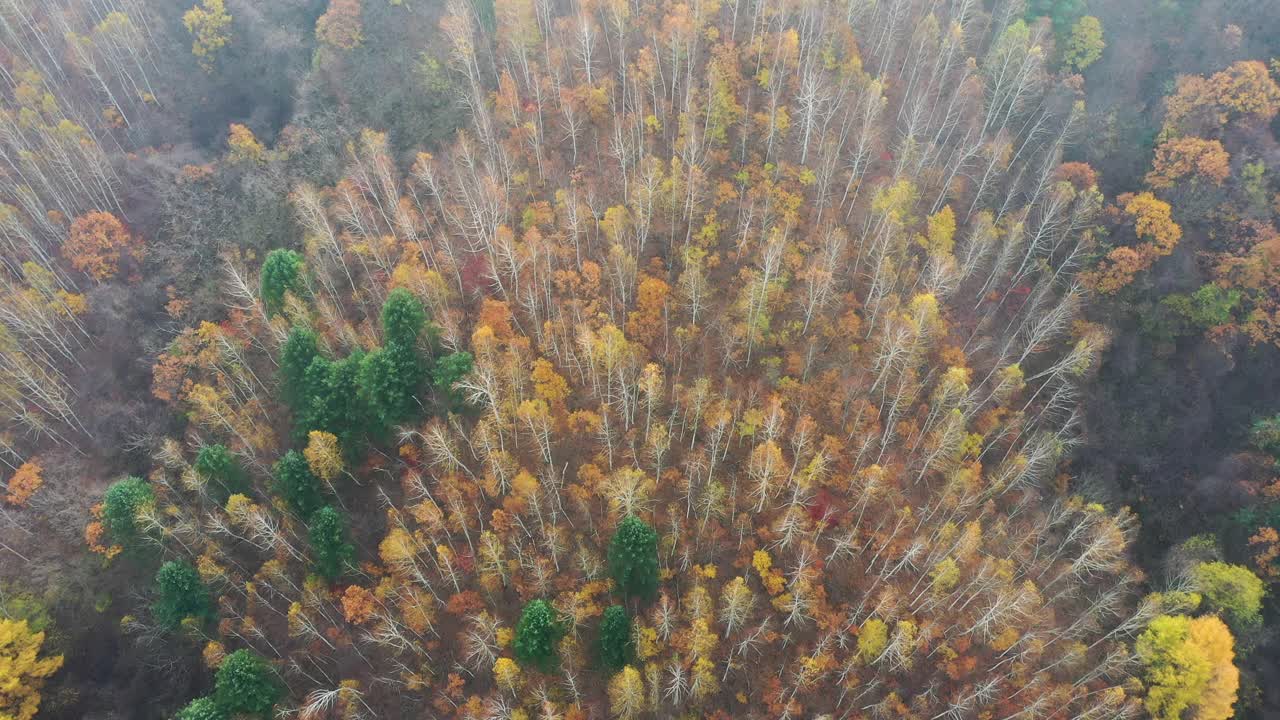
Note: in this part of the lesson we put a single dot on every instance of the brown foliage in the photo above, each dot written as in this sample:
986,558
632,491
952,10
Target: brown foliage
340,25
358,604
1081,175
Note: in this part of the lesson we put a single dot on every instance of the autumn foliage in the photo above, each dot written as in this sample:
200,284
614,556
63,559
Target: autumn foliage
358,604
24,483
1157,235
1189,666
23,669
1204,106
340,25
1189,158
209,24
710,370
99,245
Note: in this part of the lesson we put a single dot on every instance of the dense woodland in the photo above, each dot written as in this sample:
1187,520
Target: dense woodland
569,359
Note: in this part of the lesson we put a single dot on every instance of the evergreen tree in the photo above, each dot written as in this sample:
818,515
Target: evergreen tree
448,370
486,14
537,635
315,411
327,532
201,709
389,379
245,683
390,376
221,472
403,318
295,482
180,594
615,645
120,507
336,404
281,273
1265,436
300,349
633,558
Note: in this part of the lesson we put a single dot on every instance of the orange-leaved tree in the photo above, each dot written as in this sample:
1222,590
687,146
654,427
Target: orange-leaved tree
24,483
98,245
1154,227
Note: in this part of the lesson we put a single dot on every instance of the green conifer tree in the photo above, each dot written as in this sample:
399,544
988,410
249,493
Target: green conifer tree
615,646
180,594
246,684
295,482
537,635
633,558
327,532
281,273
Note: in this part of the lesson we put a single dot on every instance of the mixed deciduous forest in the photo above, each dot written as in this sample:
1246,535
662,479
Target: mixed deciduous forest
576,359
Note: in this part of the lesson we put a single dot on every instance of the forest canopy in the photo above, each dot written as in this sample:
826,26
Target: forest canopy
709,327
555,359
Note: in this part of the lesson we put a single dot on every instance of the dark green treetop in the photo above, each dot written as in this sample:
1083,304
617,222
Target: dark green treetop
1062,13
389,379
281,273
300,348
295,482
335,403
448,370
537,635
222,471
633,558
246,684
327,532
403,318
120,508
180,594
615,646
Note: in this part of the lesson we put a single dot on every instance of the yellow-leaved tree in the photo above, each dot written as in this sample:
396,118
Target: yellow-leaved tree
22,670
210,26
243,146
1188,667
1085,45
626,694
323,454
